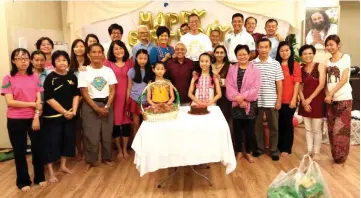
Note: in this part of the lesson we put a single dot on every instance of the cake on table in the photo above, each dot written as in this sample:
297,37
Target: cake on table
198,110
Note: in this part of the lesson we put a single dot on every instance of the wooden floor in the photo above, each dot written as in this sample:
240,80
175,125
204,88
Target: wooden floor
248,180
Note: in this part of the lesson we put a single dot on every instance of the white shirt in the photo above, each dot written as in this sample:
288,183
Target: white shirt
97,81
271,72
196,45
334,75
231,41
333,30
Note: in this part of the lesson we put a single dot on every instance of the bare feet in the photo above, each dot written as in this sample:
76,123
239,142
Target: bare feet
126,155
239,156
79,157
53,179
65,170
310,153
25,188
249,158
43,184
284,154
316,156
108,162
120,155
87,167
335,165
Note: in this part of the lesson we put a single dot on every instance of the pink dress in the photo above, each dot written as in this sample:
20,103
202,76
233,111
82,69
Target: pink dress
120,116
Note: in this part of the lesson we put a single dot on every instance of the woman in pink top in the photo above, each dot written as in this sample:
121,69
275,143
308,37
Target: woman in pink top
243,82
46,45
120,63
22,89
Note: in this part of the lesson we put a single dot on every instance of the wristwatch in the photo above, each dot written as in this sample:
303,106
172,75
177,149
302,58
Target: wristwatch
106,106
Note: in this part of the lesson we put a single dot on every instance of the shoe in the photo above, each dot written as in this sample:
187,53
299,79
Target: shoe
256,154
275,157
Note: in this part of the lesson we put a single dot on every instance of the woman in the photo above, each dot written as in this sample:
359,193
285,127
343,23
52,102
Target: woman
120,62
61,94
22,89
312,95
78,59
78,56
291,84
338,99
243,83
46,45
220,68
162,52
91,39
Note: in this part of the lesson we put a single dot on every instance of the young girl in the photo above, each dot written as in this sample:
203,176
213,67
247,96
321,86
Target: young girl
160,93
138,78
22,89
38,61
61,94
338,99
204,84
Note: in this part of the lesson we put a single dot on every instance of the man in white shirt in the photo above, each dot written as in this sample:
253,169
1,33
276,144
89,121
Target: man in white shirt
321,28
143,43
238,37
115,32
195,41
97,86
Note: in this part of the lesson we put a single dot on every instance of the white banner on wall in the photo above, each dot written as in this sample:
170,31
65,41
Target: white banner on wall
214,12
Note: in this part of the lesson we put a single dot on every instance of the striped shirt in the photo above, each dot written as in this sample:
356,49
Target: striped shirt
271,72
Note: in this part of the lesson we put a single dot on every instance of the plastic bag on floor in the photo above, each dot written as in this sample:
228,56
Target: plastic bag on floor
286,185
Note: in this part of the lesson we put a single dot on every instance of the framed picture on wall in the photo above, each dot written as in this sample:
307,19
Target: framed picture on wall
320,23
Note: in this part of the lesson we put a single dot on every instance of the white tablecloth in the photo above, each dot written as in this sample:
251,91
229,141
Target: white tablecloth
188,140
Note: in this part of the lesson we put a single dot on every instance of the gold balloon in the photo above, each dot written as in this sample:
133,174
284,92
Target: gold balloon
132,38
183,17
179,34
172,19
145,19
216,26
224,29
160,20
199,13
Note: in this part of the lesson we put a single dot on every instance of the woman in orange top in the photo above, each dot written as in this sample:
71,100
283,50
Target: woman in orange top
291,83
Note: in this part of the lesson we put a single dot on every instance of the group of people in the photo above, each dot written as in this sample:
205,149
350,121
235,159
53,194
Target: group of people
70,104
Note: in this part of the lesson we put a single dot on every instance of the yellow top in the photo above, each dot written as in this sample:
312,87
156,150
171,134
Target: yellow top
160,92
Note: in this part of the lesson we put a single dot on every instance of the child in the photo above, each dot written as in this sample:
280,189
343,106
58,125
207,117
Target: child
138,78
204,84
38,61
162,93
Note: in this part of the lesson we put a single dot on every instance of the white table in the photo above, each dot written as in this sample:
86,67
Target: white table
188,140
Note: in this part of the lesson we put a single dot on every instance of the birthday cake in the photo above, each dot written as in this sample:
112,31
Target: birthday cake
198,110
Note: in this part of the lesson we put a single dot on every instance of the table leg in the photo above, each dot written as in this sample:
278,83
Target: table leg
176,169
206,178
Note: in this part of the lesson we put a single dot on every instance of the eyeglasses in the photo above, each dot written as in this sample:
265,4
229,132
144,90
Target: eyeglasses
21,59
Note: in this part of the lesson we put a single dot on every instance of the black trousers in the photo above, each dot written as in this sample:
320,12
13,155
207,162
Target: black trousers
246,126
121,130
18,130
60,138
285,128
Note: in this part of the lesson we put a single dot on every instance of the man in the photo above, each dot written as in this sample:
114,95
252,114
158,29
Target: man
115,32
180,71
269,98
321,28
251,24
184,28
97,86
143,37
215,37
238,37
196,42
271,28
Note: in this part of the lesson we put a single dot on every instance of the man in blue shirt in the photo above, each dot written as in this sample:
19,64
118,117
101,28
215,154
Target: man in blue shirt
143,43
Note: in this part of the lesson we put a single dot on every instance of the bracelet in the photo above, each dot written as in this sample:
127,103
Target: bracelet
64,112
37,112
106,106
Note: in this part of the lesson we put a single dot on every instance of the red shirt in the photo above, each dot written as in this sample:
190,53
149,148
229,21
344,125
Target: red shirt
181,76
289,81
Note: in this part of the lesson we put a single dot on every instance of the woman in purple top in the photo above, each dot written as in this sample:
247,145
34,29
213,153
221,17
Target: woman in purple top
22,89
120,63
